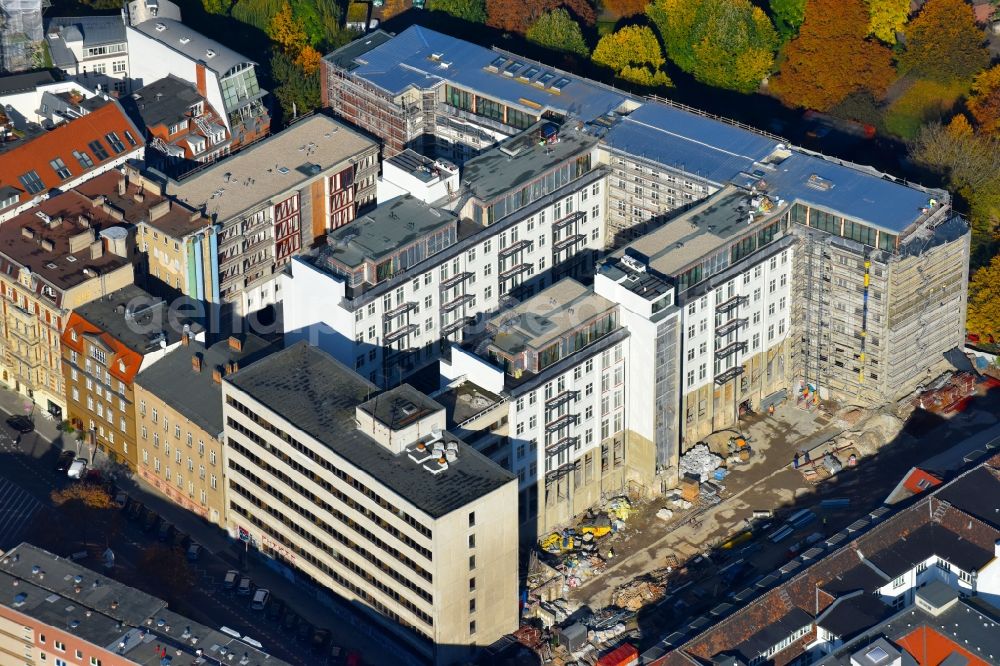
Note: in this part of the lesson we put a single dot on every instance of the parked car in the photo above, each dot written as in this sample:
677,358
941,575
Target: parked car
165,531
229,582
64,461
260,599
245,586
291,621
135,510
275,610
121,499
77,468
150,520
320,639
21,423
193,552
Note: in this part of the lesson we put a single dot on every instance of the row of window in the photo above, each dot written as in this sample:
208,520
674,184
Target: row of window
33,184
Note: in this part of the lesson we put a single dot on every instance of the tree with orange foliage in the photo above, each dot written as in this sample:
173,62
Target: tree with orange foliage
624,8
518,15
831,57
392,8
984,102
309,59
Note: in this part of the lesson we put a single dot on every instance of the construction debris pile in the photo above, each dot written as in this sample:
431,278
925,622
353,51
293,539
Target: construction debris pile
579,551
699,462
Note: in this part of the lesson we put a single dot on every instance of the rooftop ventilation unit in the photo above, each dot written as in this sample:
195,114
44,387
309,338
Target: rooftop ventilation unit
160,27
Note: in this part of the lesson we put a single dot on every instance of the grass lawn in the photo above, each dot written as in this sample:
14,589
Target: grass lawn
923,102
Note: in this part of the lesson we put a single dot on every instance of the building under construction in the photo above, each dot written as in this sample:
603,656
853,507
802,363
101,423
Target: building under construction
22,37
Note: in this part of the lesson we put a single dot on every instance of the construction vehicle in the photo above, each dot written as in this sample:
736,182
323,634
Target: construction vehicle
557,543
599,526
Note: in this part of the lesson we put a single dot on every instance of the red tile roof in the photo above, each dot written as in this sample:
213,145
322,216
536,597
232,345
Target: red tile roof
122,365
917,481
930,647
35,154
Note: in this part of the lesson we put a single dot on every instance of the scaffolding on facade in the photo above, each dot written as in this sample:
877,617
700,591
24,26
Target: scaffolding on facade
22,36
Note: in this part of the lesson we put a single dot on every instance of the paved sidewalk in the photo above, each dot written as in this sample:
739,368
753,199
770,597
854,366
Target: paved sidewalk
15,403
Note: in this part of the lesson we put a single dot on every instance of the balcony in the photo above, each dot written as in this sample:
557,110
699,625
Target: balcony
515,247
456,325
515,271
561,399
731,349
729,375
559,225
560,472
399,333
562,445
567,243
455,280
563,421
728,327
399,310
456,303
732,304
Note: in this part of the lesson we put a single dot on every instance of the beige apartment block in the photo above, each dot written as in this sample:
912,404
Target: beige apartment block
368,495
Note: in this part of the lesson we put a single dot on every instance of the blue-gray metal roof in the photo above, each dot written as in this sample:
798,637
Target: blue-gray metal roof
696,144
422,58
851,192
720,152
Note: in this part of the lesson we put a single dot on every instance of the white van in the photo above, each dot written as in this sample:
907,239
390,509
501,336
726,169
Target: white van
260,599
77,469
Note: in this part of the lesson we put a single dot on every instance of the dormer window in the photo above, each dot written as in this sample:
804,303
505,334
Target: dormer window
121,365
72,334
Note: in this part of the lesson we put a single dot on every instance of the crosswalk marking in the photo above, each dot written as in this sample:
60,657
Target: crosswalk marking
16,510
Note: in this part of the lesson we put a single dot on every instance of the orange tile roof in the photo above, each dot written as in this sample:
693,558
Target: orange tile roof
130,361
917,481
35,154
930,647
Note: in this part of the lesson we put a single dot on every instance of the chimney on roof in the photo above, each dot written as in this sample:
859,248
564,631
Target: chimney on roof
27,232
185,338
235,343
98,200
196,362
83,220
217,375
47,245
231,367
96,250
54,221
159,210
122,184
139,196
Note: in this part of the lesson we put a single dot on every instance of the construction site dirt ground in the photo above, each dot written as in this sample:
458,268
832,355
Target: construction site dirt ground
769,482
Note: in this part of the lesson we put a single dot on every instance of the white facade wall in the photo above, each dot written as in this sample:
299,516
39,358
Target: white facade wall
767,287
366,325
151,60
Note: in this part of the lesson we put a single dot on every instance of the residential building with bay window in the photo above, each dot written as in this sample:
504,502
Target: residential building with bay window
105,344
178,416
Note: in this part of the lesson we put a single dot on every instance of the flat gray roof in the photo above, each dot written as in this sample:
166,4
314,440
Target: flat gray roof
695,233
311,390
135,318
393,225
270,167
520,160
195,394
102,611
547,316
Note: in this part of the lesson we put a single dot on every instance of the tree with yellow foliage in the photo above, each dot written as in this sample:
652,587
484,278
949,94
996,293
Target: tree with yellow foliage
983,316
392,8
887,18
286,31
308,59
634,54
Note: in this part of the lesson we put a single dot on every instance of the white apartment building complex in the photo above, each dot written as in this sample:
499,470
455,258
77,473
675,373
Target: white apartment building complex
368,495
544,392
395,287
90,49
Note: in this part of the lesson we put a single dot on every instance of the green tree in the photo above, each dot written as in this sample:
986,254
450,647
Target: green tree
887,17
297,91
216,6
724,43
788,15
831,58
944,43
559,31
473,11
634,54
